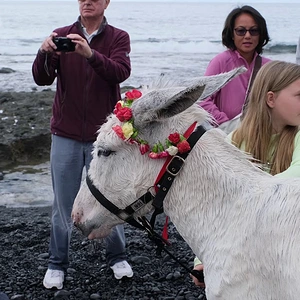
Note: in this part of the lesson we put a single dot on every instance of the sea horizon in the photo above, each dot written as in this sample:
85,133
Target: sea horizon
176,39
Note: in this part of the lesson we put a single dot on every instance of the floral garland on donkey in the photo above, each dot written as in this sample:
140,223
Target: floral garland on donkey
175,142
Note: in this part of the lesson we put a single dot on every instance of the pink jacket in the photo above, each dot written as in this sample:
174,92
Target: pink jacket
228,102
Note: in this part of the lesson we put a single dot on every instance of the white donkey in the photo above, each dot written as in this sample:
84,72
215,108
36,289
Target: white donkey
243,223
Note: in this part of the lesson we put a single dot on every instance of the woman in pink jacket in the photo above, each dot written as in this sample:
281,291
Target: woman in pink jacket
245,34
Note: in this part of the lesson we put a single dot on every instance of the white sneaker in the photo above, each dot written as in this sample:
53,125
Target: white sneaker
122,269
54,279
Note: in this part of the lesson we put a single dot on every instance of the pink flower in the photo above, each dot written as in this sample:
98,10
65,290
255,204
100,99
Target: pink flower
132,141
132,95
183,146
163,154
153,155
174,138
144,148
124,114
119,131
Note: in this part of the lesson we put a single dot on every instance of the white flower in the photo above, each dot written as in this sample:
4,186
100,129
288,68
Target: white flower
172,150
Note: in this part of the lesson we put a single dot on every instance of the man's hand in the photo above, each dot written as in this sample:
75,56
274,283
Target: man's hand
82,47
48,45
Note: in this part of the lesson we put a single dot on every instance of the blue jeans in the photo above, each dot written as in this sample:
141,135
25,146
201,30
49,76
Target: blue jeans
68,158
3,296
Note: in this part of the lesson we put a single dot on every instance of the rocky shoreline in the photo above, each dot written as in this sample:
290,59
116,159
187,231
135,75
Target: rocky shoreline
25,127
24,237
25,232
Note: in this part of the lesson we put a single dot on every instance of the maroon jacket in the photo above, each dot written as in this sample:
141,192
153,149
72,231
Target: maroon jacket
87,90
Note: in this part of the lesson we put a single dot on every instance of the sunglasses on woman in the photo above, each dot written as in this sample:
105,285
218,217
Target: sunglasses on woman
241,31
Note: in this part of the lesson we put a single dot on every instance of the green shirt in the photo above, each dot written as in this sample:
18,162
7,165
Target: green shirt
294,169
291,172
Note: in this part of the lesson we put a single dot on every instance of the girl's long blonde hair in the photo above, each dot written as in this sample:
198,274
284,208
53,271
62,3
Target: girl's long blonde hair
256,127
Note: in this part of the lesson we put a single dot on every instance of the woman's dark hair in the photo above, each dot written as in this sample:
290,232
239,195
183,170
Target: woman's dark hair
227,33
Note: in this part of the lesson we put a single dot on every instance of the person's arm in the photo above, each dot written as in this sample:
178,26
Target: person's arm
115,68
298,53
208,104
46,61
199,267
294,169
197,261
44,68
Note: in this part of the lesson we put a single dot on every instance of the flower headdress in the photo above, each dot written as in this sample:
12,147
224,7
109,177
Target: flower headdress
173,144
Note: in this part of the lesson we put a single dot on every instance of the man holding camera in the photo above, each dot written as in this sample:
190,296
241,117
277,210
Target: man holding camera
89,59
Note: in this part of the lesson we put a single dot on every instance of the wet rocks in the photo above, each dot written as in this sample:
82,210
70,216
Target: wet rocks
4,70
24,237
25,126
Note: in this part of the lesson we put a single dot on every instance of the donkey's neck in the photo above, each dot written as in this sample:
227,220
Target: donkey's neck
198,204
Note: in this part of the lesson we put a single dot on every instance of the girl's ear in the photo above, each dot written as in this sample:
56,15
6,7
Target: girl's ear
271,99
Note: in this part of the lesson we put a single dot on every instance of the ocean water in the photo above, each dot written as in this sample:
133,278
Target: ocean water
172,38
178,39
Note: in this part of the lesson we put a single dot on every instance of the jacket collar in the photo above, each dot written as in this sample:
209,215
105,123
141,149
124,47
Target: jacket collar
101,28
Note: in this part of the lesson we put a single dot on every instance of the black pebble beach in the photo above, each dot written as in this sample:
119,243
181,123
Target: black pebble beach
24,237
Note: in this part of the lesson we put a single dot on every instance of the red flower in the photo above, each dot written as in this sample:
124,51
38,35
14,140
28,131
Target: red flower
118,130
183,146
174,138
144,148
132,95
173,144
118,106
124,114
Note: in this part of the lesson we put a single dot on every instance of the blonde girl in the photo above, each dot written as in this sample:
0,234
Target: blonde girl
270,128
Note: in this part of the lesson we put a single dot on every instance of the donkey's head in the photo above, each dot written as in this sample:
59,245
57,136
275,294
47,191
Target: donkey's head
132,145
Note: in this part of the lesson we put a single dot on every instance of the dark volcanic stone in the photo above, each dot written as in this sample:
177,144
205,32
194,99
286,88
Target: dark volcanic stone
24,238
25,126
6,71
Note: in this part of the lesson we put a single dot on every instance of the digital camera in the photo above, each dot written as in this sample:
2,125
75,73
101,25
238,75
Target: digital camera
64,44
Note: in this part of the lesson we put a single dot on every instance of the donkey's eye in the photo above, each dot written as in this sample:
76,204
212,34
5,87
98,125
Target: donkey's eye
104,152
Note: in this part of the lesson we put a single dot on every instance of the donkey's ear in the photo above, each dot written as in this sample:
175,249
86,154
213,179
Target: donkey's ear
216,82
167,102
